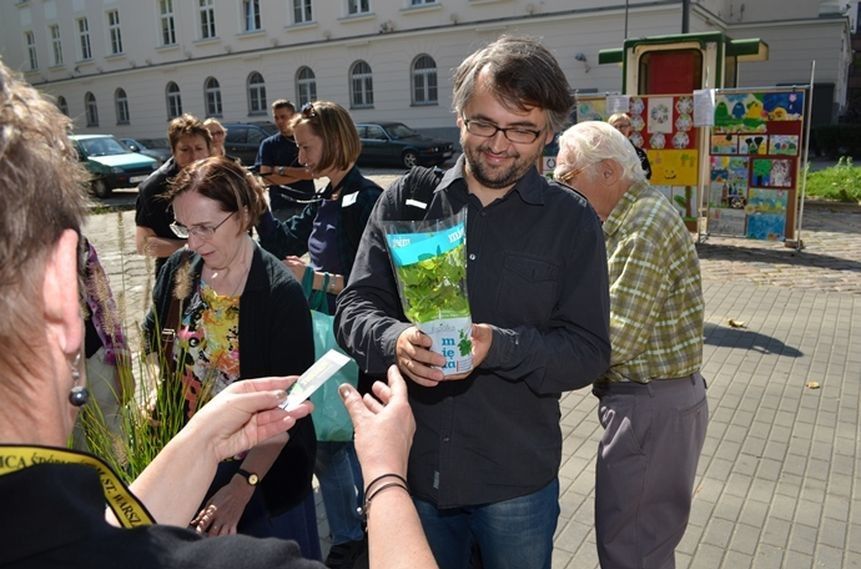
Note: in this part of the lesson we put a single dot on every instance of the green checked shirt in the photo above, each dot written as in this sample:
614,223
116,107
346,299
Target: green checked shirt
656,298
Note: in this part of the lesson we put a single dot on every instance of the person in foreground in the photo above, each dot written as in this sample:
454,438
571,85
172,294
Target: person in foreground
54,499
652,399
488,444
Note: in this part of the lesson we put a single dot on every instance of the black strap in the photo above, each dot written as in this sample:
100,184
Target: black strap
418,189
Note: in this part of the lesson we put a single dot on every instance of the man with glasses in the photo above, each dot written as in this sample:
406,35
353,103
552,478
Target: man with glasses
278,162
652,399
484,465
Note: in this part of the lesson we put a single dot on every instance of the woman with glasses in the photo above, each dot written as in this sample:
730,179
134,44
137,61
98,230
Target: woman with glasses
329,231
219,134
622,123
237,313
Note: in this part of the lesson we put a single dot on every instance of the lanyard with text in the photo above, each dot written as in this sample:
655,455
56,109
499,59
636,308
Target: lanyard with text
128,510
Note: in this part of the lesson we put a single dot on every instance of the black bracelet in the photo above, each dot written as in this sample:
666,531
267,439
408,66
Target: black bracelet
363,511
382,476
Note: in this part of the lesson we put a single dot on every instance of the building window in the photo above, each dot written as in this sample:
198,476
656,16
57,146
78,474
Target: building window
168,25
356,7
251,15
63,105
424,81
174,100
361,86
30,40
302,11
122,104
56,44
84,36
207,19
92,109
115,32
306,86
256,94
422,2
212,93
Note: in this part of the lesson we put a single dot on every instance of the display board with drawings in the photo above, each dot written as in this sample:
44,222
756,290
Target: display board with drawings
663,126
755,147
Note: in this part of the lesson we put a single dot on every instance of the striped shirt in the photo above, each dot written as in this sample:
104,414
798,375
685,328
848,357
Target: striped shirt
656,299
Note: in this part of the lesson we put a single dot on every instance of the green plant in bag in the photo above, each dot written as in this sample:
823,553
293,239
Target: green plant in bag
433,286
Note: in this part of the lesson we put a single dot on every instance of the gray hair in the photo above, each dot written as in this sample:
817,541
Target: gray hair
590,142
522,74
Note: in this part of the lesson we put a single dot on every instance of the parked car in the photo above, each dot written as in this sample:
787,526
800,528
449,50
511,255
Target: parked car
111,164
396,143
161,154
243,139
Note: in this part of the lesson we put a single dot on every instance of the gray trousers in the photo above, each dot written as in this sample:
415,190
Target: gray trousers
647,463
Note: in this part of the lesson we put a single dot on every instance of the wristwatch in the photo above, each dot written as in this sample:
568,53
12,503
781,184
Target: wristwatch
280,170
250,477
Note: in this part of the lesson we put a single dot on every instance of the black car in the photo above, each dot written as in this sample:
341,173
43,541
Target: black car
396,143
243,139
141,146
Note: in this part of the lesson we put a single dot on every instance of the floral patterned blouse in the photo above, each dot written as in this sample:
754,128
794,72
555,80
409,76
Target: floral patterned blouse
208,343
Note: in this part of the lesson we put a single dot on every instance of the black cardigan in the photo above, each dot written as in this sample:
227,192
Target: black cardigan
275,338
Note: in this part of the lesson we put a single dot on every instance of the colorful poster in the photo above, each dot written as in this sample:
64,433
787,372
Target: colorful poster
772,173
592,109
726,221
660,117
728,186
673,167
786,144
724,144
771,226
760,200
740,112
784,106
753,144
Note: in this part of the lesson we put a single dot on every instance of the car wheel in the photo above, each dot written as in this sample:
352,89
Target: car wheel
409,159
100,188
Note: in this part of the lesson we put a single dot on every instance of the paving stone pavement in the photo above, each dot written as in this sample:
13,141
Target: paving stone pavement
779,482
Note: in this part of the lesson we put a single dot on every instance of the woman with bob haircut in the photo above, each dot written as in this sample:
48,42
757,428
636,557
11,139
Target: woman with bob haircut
329,230
240,314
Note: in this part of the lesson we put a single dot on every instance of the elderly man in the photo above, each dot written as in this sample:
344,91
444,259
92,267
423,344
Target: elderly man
652,399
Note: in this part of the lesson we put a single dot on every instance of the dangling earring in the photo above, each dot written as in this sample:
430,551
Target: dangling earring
79,395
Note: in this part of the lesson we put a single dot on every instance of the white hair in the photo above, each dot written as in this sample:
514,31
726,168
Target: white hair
590,142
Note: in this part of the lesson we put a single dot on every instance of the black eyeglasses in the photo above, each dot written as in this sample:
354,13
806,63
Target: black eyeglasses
308,110
516,134
203,232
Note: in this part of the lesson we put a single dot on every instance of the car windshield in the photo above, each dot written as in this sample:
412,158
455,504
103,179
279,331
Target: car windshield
154,142
399,130
103,147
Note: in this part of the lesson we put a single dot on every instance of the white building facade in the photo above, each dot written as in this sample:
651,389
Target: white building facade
128,66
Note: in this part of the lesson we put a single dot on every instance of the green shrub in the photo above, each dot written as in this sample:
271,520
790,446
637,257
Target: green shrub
841,182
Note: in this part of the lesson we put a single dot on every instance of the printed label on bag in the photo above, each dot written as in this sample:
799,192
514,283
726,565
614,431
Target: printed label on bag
451,338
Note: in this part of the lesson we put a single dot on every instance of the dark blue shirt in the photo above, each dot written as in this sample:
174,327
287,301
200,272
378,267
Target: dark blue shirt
279,150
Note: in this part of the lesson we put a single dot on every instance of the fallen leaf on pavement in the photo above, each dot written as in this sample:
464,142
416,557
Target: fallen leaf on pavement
736,324
812,385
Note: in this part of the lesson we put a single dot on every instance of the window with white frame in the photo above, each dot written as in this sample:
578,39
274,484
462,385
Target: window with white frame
424,81
302,11
56,44
361,85
422,2
92,109
84,37
63,105
122,104
114,31
207,19
174,100
256,94
306,86
251,15
168,24
357,7
212,94
30,40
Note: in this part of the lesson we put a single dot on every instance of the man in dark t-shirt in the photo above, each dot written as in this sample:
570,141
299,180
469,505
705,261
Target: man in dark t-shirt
278,162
